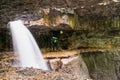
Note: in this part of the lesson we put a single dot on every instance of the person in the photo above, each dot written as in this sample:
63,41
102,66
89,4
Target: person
54,43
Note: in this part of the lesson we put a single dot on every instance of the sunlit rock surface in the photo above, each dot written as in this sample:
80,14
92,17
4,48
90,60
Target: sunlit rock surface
68,71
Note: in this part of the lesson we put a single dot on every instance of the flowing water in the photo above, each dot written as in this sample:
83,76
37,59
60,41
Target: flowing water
25,47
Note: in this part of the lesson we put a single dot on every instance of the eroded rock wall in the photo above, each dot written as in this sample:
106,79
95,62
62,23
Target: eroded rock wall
103,65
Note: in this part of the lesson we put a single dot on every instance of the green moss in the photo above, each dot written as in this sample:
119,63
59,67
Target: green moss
74,21
71,21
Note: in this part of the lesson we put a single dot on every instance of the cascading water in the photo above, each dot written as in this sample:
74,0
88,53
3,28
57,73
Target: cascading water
25,47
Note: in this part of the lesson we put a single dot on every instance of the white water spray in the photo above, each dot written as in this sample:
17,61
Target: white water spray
25,46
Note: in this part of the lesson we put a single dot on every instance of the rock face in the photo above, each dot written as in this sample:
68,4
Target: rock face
68,71
103,65
101,39
33,10
81,15
99,21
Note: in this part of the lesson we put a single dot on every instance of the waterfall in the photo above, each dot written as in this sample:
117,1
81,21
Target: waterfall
25,47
